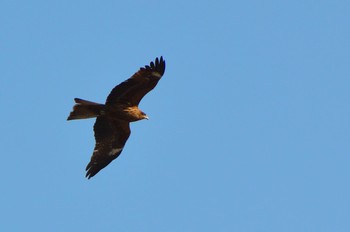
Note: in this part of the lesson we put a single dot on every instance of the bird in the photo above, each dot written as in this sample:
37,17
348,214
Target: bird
113,118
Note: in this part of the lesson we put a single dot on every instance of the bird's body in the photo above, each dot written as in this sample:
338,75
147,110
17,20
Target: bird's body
126,113
112,127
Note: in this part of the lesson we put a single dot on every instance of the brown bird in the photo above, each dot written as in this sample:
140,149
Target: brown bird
112,128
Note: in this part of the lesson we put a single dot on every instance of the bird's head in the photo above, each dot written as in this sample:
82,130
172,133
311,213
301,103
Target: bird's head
144,116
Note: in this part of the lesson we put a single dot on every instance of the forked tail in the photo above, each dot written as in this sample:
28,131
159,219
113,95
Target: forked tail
85,109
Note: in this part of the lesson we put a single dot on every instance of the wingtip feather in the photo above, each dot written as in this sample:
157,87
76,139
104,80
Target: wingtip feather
158,65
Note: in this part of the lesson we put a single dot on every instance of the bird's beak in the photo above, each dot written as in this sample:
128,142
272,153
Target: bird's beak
146,117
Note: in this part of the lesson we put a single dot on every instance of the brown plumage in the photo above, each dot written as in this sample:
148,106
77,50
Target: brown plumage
112,128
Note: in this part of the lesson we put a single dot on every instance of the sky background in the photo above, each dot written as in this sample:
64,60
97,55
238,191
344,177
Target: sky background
249,127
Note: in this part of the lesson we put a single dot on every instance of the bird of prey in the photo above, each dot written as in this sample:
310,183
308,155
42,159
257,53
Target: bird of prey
112,128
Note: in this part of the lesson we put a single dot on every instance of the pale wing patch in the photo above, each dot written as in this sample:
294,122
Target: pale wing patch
156,74
114,151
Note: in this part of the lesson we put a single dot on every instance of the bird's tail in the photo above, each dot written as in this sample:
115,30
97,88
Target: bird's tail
85,109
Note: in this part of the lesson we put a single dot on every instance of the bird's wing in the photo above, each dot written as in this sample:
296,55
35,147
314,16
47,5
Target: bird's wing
136,87
110,136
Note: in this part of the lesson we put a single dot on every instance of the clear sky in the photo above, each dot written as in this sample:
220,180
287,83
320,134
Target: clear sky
249,127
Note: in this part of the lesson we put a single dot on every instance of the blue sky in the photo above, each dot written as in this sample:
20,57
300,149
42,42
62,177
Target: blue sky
248,128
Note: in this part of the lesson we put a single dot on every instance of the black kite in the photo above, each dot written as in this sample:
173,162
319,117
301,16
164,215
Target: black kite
112,128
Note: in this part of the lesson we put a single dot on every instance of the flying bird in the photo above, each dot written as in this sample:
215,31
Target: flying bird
112,125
